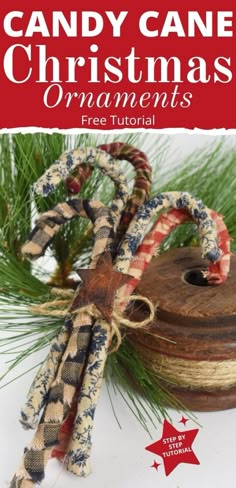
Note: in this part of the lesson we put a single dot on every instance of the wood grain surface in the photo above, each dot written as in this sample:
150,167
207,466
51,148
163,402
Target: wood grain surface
198,321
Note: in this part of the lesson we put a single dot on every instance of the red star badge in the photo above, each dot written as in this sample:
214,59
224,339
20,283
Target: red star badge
174,447
99,286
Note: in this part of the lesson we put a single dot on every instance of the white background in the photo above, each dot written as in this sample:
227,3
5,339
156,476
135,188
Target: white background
119,458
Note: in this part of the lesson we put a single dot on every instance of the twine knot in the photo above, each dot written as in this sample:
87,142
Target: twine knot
60,308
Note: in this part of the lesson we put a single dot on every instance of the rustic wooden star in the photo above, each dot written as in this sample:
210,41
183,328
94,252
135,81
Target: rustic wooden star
99,286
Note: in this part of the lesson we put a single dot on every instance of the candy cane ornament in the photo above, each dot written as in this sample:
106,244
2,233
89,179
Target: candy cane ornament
38,241
62,389
48,224
142,180
77,459
165,223
70,160
216,273
43,233
179,200
140,193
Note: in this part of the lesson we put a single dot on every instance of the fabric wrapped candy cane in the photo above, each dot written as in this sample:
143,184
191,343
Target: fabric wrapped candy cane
216,273
142,182
48,224
70,160
73,360
161,228
140,193
180,200
74,161
46,227
39,239
80,443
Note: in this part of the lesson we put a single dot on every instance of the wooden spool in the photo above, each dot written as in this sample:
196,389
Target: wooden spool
199,323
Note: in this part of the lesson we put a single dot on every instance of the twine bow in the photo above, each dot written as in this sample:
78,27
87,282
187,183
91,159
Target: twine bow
60,308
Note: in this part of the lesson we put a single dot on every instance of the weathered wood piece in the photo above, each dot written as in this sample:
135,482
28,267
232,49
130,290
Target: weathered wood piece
199,323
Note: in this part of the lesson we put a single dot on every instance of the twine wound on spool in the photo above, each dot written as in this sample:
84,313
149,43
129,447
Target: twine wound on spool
54,308
189,373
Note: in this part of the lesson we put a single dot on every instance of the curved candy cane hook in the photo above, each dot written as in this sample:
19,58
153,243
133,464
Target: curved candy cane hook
49,223
179,200
217,271
71,160
142,180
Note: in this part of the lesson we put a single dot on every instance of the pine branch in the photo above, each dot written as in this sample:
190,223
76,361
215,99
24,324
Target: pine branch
210,174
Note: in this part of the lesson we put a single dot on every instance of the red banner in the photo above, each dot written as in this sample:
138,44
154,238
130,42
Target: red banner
118,65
